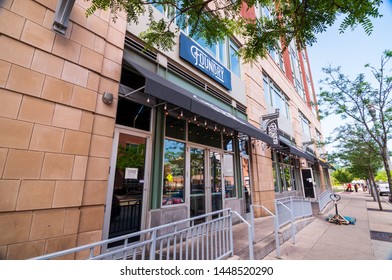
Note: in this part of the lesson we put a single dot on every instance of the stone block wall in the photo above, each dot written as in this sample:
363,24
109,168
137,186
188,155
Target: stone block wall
55,132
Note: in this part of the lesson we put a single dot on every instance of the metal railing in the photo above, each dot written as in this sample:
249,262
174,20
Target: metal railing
324,199
250,234
276,226
205,237
287,210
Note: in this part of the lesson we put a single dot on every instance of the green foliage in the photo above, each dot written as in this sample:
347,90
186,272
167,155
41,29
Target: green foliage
363,139
342,176
215,20
381,176
130,156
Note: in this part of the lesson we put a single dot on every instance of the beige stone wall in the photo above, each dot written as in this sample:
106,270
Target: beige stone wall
262,177
263,186
55,132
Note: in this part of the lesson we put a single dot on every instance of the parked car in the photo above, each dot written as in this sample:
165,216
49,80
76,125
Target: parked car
383,189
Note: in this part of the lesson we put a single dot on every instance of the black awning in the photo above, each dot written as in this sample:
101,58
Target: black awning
163,89
295,151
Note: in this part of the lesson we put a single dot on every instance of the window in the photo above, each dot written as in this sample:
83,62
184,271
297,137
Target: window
234,60
285,172
173,173
228,165
275,97
175,128
276,54
296,69
305,125
228,174
226,51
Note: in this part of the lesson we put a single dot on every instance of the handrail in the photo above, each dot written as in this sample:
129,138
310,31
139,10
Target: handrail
250,237
149,237
276,227
324,199
291,217
299,208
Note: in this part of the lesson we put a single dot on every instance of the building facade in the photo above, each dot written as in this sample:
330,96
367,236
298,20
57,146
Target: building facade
99,138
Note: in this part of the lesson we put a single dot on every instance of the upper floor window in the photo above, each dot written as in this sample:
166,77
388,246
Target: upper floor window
296,69
265,12
305,125
234,60
226,51
275,97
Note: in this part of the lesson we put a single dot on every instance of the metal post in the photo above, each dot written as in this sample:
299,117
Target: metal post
292,219
252,220
231,234
251,254
276,231
153,244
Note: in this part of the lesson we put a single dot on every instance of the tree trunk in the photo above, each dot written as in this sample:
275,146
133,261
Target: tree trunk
385,159
376,191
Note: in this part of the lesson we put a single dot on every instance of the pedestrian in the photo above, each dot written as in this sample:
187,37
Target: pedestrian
356,187
349,187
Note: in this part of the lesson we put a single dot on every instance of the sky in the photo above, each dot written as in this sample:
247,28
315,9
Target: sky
351,50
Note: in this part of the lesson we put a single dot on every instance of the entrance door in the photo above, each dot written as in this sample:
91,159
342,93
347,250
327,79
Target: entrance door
127,185
205,181
197,182
307,180
215,186
246,187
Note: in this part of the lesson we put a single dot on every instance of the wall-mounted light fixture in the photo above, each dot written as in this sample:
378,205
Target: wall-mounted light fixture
107,98
61,16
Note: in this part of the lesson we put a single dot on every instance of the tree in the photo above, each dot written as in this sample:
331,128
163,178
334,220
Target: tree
359,154
368,108
215,20
342,175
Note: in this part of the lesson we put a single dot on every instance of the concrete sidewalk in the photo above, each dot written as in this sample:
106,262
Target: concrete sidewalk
317,239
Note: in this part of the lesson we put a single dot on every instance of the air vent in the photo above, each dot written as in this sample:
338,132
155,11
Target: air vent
241,108
219,95
140,48
185,75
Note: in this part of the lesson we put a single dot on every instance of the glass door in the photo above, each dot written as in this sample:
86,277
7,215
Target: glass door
246,186
197,182
128,184
205,181
215,188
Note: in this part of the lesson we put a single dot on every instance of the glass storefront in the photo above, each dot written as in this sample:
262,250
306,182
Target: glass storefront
207,155
174,173
286,172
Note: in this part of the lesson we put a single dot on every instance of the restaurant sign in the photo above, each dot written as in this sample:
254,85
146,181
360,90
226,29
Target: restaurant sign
203,61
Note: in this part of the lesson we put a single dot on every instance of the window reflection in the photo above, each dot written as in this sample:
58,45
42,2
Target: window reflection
173,175
230,189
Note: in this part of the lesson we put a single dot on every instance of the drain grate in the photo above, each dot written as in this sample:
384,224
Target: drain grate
381,236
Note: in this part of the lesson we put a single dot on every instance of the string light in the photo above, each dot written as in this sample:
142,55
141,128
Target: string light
148,99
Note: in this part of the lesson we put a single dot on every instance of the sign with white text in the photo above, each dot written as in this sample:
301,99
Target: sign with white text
203,61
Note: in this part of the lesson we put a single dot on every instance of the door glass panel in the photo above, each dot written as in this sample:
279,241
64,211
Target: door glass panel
128,186
246,184
174,173
197,185
230,188
216,181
